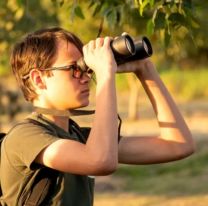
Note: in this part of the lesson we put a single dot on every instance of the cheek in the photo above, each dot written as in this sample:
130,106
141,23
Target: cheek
58,82
63,88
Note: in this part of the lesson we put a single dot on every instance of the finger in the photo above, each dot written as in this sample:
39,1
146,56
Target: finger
107,41
91,45
99,42
116,37
85,48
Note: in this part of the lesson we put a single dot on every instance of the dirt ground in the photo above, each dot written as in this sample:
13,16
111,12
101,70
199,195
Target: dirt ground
126,199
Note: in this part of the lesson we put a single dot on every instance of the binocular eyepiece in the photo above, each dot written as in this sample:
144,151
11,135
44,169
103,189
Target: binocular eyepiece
125,49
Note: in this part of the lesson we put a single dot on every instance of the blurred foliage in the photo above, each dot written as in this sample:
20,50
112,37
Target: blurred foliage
19,17
165,15
185,85
177,28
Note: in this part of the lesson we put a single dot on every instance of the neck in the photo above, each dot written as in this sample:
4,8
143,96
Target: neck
61,121
59,117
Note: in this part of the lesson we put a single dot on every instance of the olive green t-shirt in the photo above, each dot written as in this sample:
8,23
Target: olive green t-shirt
18,152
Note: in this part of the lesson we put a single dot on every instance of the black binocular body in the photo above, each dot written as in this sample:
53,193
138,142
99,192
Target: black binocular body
125,49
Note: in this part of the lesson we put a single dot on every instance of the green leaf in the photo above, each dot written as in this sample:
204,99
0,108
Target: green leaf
78,12
61,2
188,4
142,6
20,2
151,2
150,27
97,9
178,18
111,18
167,38
160,21
91,4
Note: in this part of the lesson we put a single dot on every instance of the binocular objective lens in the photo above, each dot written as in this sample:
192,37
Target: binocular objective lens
145,47
129,46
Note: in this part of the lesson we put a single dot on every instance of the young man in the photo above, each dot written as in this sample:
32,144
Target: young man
44,64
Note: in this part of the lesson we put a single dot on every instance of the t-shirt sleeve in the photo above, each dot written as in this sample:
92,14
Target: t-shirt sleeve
25,142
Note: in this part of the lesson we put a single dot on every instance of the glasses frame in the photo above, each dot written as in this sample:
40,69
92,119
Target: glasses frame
74,67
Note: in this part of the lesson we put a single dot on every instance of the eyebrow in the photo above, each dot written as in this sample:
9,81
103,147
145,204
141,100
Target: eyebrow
65,63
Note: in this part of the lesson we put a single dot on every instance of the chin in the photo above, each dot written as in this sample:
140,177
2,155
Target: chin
85,104
81,105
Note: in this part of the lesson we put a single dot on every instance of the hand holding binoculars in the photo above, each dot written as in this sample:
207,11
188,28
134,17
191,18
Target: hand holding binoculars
125,49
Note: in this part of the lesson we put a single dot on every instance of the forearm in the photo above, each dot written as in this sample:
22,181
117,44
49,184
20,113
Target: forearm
171,122
103,137
174,141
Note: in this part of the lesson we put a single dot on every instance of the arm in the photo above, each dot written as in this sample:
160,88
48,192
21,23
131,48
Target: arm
102,141
99,156
175,140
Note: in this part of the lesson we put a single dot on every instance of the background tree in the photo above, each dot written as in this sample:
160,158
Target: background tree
19,17
176,28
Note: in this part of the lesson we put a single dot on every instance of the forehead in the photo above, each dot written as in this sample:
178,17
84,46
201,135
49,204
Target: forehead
67,51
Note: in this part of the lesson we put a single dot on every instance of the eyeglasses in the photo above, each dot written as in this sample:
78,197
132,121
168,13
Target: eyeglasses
77,71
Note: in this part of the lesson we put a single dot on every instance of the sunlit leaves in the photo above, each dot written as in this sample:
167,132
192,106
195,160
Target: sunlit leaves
20,2
160,15
142,4
78,12
59,2
167,37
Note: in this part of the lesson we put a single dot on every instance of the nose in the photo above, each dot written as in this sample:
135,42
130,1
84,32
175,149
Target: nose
85,78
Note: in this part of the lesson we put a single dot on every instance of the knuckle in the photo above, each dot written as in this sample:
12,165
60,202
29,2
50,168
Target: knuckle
91,42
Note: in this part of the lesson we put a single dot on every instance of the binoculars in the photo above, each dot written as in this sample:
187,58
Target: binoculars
125,49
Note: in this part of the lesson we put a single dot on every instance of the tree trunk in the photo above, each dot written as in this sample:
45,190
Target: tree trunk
133,98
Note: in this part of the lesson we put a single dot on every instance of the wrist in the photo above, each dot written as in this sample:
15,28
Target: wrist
105,79
105,73
147,71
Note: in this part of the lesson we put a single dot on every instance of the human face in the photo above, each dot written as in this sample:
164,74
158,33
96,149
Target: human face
63,91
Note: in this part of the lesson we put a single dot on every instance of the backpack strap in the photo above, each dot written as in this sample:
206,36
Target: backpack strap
42,188
2,135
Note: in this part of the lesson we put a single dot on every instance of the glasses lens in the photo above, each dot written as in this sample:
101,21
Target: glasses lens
90,73
77,73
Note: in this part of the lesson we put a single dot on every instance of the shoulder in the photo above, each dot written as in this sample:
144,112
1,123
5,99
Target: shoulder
25,141
27,135
28,128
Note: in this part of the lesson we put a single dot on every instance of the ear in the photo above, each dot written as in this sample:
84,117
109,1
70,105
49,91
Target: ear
37,79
